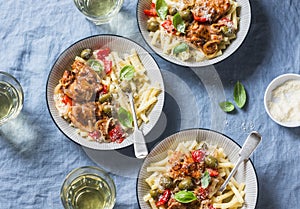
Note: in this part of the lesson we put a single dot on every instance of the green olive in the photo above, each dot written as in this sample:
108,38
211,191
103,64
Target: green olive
172,11
166,182
154,193
105,97
186,184
86,54
187,15
107,109
227,31
211,162
152,25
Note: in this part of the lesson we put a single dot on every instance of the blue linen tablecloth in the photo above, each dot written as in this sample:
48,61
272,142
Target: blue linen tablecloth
35,156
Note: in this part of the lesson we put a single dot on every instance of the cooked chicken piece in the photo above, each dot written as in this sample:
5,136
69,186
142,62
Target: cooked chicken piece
85,85
83,116
211,9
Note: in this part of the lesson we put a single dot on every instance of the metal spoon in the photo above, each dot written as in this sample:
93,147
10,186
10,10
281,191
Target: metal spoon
139,144
248,147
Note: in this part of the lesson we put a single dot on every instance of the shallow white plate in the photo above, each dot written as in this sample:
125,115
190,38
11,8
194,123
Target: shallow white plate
244,25
245,173
115,43
268,96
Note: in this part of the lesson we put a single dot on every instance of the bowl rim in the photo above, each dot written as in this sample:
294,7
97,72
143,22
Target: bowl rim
73,44
209,61
197,129
277,81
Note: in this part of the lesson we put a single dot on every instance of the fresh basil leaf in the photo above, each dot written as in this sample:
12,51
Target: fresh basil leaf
125,117
127,72
161,9
180,48
205,180
185,196
95,65
239,94
226,106
179,23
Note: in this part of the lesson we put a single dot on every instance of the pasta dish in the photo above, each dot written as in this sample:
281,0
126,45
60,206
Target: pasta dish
190,178
92,94
192,30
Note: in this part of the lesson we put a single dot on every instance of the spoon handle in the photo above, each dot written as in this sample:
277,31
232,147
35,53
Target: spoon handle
248,147
139,144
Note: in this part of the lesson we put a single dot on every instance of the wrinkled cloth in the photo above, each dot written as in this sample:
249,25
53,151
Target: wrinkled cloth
35,156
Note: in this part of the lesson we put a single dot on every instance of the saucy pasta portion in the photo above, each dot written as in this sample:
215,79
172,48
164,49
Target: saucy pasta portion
192,30
190,178
92,94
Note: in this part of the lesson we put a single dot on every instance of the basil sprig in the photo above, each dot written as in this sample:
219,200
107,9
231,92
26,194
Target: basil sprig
179,23
239,94
125,117
226,106
161,9
205,180
127,72
185,196
180,48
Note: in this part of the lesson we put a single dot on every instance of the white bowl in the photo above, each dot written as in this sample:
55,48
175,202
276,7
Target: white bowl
244,25
268,96
115,43
245,173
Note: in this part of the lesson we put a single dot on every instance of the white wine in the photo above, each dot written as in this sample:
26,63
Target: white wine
89,192
9,99
97,8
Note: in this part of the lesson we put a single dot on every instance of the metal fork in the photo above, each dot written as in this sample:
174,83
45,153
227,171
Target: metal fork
139,144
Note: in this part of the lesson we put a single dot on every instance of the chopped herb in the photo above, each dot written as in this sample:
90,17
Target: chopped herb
185,196
127,72
205,180
161,9
125,117
179,23
180,48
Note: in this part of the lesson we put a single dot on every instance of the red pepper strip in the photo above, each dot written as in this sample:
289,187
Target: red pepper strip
102,53
200,19
151,12
212,172
198,155
67,100
163,199
95,135
104,89
168,26
116,134
107,66
211,207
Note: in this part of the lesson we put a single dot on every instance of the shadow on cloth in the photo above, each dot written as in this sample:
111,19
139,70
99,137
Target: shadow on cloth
21,134
254,49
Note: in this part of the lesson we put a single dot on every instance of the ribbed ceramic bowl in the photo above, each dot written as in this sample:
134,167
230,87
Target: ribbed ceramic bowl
245,21
122,46
246,172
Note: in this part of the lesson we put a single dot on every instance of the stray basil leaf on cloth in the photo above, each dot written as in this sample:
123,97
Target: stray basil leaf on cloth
239,94
226,106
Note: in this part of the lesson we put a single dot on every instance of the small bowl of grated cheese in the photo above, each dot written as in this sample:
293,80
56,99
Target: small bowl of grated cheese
282,100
